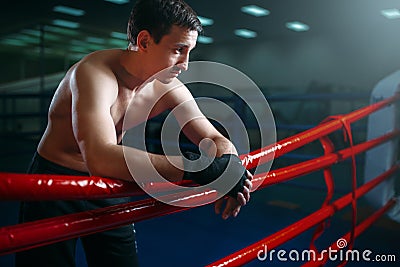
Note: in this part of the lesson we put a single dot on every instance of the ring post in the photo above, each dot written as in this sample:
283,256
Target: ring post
381,158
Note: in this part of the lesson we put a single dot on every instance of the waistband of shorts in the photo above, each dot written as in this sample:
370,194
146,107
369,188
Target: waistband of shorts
56,168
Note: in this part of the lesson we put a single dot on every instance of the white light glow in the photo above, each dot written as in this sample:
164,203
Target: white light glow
205,21
12,42
66,23
95,40
255,10
35,33
119,35
392,13
297,26
205,39
60,30
245,33
119,2
118,42
69,11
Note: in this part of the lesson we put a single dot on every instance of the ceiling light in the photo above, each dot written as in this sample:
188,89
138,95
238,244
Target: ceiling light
51,37
392,13
59,30
119,35
35,33
78,43
94,47
13,42
25,38
79,49
205,21
245,33
297,26
85,45
77,56
47,50
117,42
255,10
205,39
119,2
69,11
66,23
95,40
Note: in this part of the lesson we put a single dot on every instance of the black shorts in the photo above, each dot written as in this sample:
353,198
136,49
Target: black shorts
115,247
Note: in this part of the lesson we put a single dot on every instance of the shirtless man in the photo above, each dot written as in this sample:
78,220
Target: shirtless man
85,129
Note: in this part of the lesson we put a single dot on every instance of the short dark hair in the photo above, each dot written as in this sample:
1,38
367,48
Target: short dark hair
158,16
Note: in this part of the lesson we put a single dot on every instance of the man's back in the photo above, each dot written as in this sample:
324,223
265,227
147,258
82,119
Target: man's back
58,143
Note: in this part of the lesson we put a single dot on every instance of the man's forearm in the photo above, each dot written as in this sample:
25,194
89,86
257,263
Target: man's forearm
218,146
126,163
145,166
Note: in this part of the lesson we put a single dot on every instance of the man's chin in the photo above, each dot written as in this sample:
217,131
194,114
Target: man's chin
168,75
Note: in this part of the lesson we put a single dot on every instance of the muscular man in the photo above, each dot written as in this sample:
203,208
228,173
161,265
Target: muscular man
85,129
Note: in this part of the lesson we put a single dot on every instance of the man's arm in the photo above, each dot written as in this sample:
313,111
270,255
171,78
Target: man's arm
94,90
202,133
194,124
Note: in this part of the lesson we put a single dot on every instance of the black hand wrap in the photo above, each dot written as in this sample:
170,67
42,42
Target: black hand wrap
196,170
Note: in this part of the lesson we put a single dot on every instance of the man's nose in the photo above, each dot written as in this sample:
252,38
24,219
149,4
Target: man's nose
183,66
184,63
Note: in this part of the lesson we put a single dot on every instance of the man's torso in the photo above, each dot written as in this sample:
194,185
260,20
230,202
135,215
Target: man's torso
58,143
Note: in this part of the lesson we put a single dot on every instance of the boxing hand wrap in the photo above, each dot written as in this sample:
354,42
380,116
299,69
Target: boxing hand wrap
204,170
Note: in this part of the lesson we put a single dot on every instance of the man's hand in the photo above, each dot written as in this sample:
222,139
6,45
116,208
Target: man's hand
238,196
232,207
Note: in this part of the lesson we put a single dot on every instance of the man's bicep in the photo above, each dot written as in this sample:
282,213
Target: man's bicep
91,118
92,126
191,119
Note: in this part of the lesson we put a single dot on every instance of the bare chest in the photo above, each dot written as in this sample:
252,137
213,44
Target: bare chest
133,108
119,108
144,105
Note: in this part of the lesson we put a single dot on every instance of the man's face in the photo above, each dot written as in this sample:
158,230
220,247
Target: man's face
171,54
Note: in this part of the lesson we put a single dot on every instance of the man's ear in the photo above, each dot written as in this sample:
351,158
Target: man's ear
143,39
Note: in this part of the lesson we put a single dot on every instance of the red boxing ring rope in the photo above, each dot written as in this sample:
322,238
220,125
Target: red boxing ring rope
358,230
280,148
250,253
33,234
40,187
45,187
16,186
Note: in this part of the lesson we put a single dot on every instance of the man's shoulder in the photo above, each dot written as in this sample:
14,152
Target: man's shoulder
94,71
101,58
99,64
